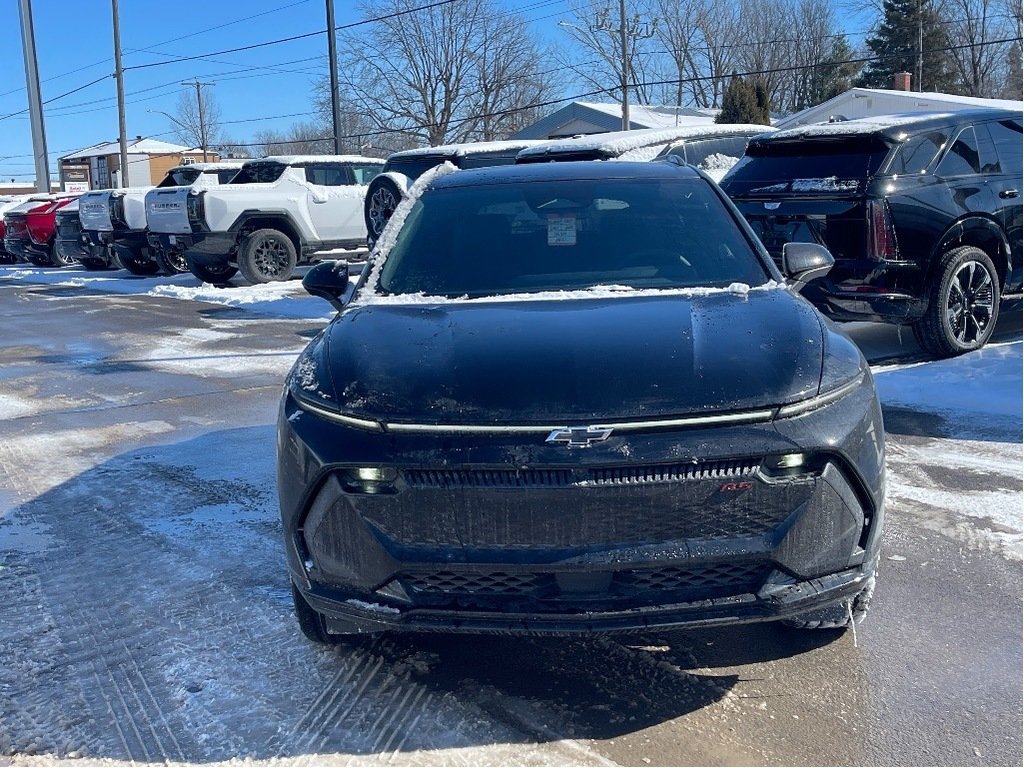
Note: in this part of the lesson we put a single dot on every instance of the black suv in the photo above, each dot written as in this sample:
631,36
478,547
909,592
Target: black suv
922,213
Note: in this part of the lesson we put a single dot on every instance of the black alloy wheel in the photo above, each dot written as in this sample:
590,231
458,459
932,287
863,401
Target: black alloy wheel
265,256
963,306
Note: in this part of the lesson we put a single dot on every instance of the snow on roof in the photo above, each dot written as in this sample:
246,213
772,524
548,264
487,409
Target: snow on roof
859,126
294,159
619,142
946,98
137,147
653,116
475,147
222,165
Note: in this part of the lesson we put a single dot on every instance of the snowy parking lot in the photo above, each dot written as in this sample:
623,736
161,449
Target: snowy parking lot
146,608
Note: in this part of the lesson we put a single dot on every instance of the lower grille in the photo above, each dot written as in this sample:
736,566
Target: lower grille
555,477
504,590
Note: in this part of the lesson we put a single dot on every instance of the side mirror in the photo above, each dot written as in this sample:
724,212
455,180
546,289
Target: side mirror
803,262
328,280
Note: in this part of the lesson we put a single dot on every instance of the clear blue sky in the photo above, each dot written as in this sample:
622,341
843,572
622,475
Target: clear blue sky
74,46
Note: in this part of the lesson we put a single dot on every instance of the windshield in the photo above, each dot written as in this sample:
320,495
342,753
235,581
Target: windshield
258,173
833,166
179,177
499,239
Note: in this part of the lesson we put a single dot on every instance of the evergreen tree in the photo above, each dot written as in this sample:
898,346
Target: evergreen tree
740,102
764,103
895,43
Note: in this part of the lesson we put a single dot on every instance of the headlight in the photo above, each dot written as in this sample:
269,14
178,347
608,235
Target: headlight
825,398
309,382
844,370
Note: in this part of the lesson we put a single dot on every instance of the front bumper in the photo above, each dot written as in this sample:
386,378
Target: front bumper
496,536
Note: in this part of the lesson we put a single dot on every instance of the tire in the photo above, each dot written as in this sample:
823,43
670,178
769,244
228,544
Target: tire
963,304
382,197
171,262
266,256
837,616
312,623
138,261
218,275
59,260
6,258
41,261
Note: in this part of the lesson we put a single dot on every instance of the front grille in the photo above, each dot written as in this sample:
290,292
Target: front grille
540,590
563,477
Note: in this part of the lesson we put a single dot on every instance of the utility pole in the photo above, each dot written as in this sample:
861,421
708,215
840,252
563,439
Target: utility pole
202,118
332,55
627,29
119,76
35,103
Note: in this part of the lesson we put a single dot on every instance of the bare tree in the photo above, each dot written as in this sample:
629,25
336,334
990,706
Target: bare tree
188,127
442,74
307,138
596,30
678,33
971,25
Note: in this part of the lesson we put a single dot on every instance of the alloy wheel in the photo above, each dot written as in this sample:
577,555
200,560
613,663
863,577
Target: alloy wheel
271,258
382,205
970,302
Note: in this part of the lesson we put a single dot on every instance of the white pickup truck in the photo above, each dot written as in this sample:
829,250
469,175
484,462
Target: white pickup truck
117,217
277,212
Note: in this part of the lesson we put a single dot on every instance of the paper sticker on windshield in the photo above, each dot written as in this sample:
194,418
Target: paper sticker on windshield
561,229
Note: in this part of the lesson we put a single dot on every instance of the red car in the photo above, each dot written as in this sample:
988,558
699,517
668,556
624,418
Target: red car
31,229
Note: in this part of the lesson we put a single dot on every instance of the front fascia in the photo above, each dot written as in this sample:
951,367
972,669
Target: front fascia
310,451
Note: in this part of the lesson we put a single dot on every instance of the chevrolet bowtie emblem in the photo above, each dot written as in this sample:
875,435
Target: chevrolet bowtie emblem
579,437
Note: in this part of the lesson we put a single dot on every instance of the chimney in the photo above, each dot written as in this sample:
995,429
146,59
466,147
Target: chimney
901,81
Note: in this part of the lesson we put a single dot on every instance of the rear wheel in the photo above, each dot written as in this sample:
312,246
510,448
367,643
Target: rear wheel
218,275
171,262
138,261
94,265
382,197
839,616
60,260
266,256
312,623
963,304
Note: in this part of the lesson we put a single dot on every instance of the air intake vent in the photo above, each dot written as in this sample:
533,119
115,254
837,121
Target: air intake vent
667,473
563,477
487,478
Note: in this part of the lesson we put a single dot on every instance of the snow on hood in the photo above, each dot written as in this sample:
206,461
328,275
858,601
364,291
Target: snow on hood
619,142
594,292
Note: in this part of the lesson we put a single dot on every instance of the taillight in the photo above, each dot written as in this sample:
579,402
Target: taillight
881,234
115,207
194,206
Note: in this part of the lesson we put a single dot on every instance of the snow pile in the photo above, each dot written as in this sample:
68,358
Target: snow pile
987,381
285,299
641,154
717,165
954,452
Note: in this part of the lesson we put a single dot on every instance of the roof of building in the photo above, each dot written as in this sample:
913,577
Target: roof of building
137,147
468,148
598,117
892,101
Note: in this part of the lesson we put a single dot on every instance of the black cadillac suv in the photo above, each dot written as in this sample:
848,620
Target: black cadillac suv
921,212
577,397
